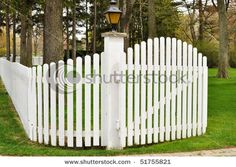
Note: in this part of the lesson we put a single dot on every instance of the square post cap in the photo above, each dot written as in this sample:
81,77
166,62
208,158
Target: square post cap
114,34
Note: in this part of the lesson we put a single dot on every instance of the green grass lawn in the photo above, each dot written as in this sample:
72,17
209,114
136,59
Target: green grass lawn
221,132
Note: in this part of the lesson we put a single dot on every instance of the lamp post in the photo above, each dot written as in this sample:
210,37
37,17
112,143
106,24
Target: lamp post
113,15
112,59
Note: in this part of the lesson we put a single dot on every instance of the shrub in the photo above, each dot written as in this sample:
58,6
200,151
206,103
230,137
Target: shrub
211,51
232,58
2,52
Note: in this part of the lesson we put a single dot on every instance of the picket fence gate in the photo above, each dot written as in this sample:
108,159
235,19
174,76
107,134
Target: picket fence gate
162,96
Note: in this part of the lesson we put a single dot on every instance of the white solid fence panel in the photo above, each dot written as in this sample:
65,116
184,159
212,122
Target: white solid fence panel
35,60
162,96
17,80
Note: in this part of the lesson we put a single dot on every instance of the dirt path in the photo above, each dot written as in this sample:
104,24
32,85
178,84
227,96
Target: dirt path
220,152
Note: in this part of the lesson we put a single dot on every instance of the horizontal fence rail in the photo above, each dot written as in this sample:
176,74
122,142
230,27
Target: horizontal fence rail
161,95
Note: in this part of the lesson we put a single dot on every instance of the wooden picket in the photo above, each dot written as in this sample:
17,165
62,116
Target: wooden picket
70,105
96,126
53,111
149,92
40,113
130,97
122,103
143,93
194,121
137,95
79,97
162,97
61,108
179,90
190,70
46,103
199,94
87,102
167,116
162,88
156,90
173,80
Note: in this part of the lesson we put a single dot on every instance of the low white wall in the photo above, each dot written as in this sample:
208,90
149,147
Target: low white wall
17,81
35,60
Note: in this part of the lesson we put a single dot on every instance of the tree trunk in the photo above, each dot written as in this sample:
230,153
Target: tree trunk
23,53
67,35
8,44
201,21
95,27
36,46
151,19
127,14
29,42
141,19
223,52
54,50
74,47
26,34
86,26
14,38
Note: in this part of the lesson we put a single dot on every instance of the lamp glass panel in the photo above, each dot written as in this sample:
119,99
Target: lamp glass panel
114,18
108,18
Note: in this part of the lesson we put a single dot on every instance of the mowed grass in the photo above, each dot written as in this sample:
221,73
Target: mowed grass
221,132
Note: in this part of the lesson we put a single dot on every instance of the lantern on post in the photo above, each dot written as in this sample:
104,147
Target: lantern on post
113,15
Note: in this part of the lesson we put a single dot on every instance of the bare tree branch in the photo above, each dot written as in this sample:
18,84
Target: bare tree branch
214,4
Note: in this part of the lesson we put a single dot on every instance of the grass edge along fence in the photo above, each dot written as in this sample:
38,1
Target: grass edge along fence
137,108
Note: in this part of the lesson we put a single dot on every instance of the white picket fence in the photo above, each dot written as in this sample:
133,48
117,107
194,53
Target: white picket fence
162,96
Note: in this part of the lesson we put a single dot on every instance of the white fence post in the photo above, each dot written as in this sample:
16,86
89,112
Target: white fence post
113,50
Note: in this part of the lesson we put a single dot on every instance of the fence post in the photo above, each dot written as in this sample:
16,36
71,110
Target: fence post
112,57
